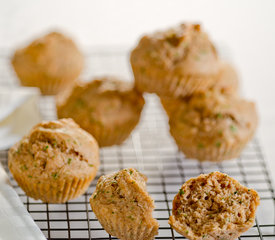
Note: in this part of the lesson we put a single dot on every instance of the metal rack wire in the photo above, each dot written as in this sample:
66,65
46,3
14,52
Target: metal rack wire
151,150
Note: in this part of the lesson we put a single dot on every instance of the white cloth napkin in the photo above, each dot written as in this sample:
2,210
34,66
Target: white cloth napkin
15,221
19,111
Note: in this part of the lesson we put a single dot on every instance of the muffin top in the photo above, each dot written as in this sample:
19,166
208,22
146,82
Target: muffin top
106,101
55,150
123,195
213,204
213,118
185,49
53,54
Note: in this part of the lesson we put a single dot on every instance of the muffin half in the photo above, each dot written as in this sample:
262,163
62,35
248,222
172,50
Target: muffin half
50,63
123,206
55,162
176,62
213,206
212,126
107,108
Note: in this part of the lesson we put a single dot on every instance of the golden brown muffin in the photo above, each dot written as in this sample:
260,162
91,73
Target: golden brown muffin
50,63
55,162
123,206
177,62
107,108
213,206
212,126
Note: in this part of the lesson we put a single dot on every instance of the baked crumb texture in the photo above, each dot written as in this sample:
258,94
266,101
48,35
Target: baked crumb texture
214,207
107,108
123,206
211,126
55,162
179,62
50,63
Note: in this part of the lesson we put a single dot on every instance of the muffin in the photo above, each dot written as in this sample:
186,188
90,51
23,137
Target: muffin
50,63
123,206
211,126
107,108
178,62
213,206
55,162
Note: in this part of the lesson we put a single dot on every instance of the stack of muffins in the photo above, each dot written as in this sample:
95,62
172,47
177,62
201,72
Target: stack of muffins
199,92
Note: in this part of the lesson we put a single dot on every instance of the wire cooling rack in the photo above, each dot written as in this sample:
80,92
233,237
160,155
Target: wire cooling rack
151,150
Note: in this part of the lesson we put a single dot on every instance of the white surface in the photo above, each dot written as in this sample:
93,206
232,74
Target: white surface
19,112
15,221
246,27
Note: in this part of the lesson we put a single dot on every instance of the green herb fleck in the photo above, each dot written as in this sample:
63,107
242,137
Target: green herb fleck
131,172
30,176
200,145
204,235
218,144
233,128
133,182
249,190
181,192
91,165
94,196
113,213
45,148
186,231
235,192
54,142
69,161
24,167
80,103
55,175
219,115
131,217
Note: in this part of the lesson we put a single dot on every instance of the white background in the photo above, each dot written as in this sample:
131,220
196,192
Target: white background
245,29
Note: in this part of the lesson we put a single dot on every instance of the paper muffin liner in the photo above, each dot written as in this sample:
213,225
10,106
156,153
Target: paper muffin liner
212,152
115,226
166,85
53,191
47,86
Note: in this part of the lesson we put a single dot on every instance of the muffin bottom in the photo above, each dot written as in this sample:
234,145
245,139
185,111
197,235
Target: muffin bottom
173,86
211,153
56,191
